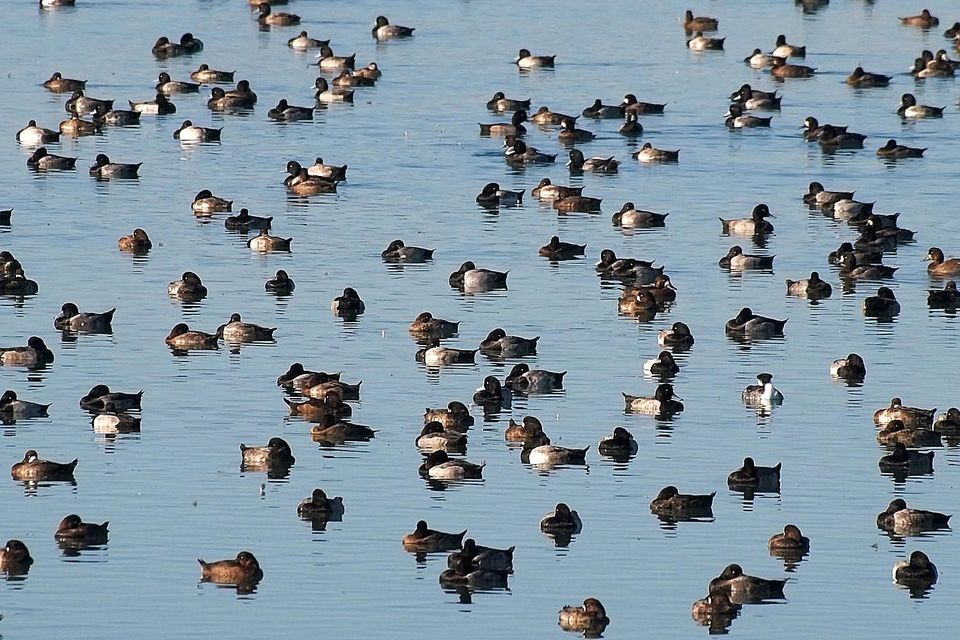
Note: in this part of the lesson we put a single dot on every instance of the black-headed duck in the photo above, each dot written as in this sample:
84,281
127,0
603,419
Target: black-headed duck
43,160
160,105
630,216
831,139
743,589
243,570
327,60
747,92
117,117
939,266
58,84
435,355
863,257
76,126
750,475
33,135
182,337
72,528
736,259
736,119
896,432
276,453
33,468
205,202
631,126
514,127
435,437
190,43
12,407
700,42
636,107
469,278
952,32
558,250
304,184
104,169
918,571
18,284
759,60
765,103
439,466
851,268
111,421
269,19
303,42
562,519
543,453
912,417
35,353
334,172
500,102
813,131
526,60
577,163
348,303
284,112
673,503
427,540
946,298
924,20
750,324
383,30
906,461
910,109
71,319
569,133
899,519
638,302
188,288
756,224
83,105
348,79
544,116
499,343
493,196
189,132
15,558
882,305
663,365
492,396
455,416
860,78
618,445
397,251
480,557
425,325
599,110
782,49
318,505
649,154
100,394
896,151
244,93
518,153
591,618
693,23
783,69
370,72
205,75
167,86
340,432
236,330
265,242
850,368
813,287
281,284
324,94
546,190
163,48
715,610
327,411
298,378
523,379
642,271
790,540
582,204
664,402
529,431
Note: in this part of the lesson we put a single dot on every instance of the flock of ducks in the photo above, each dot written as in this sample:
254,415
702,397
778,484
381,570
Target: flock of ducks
647,290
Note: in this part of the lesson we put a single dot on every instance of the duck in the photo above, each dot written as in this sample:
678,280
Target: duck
280,284
492,395
284,112
678,336
427,540
782,49
182,337
562,519
939,266
58,84
895,432
42,160
269,19
235,330
715,609
513,128
243,570
455,417
14,408
589,618
546,190
205,75
619,444
663,365
206,202
899,519
525,60
748,323
755,224
318,505
167,86
104,169
747,92
325,94
910,109
341,432
33,135
545,454
500,103
190,43
265,242
884,231
462,574
137,242
320,385
158,106
18,284
744,589
73,528
100,394
896,151
244,93
557,250
518,153
188,132
700,42
851,368
735,119
439,466
492,195
35,353
766,103
924,20
33,468
397,251
863,256
544,116
699,23
671,502
790,540
638,302
946,298
738,260
911,417
498,343
112,421
276,453
852,269
334,172
327,411
435,437
663,402
930,67
383,30
425,325
570,134
598,110
370,73
76,126
523,379
649,154
758,59
189,288
883,305
631,126
832,139
529,431
636,107
303,42
583,204
860,78
917,571
908,462
751,475
630,216
486,558
763,392
15,558
82,104
813,287
813,131
854,211
952,32
348,303
116,117
71,319
783,69
304,184
327,60
434,355
469,278
299,378
577,163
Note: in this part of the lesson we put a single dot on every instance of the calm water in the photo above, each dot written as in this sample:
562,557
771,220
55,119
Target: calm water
175,492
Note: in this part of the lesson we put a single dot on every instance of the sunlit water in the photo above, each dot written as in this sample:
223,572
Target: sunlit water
175,492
